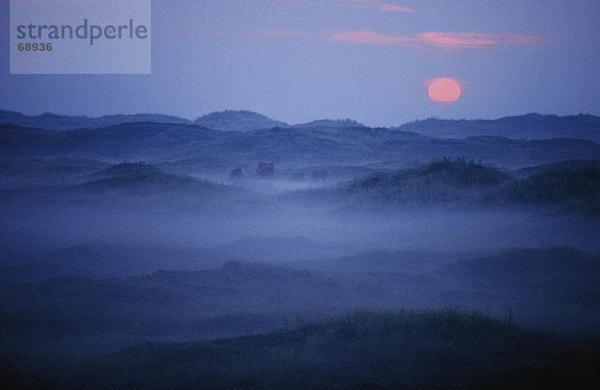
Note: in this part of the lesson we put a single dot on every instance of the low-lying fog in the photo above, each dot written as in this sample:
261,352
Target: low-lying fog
87,271
424,228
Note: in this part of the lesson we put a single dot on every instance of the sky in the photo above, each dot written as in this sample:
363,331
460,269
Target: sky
369,60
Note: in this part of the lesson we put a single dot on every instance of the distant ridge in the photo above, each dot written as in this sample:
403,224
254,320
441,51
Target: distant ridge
529,126
50,121
238,121
331,123
214,149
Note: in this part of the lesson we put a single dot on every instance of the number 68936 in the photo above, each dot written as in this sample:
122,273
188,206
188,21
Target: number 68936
35,46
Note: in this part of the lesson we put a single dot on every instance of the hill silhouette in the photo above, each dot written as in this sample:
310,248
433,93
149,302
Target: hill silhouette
66,122
160,142
570,187
330,123
364,349
127,169
237,121
529,126
442,180
148,180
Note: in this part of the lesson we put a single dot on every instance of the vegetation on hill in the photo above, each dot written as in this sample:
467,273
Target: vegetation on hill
530,171
153,182
559,184
295,147
126,169
529,126
556,275
331,123
361,350
573,187
442,180
66,122
237,121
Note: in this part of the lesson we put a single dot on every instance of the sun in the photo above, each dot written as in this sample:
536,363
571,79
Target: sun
444,90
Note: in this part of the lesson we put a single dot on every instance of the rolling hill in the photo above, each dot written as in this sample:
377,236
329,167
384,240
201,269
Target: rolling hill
130,141
440,181
570,187
65,122
361,350
237,121
34,172
528,171
330,123
530,126
294,148
558,274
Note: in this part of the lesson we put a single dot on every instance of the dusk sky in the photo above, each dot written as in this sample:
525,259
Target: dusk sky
299,60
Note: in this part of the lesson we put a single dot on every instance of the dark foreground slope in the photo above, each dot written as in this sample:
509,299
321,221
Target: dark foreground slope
48,328
362,350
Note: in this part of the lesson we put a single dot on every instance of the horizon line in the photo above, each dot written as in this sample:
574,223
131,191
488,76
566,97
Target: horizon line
290,124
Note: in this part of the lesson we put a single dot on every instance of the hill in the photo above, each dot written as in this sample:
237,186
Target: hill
567,187
330,123
66,122
148,181
528,171
575,187
19,172
555,274
558,184
443,180
136,186
128,169
530,126
72,315
129,141
237,121
361,350
295,148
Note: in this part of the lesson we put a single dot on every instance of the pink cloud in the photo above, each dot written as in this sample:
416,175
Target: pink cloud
476,39
448,40
435,39
368,38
